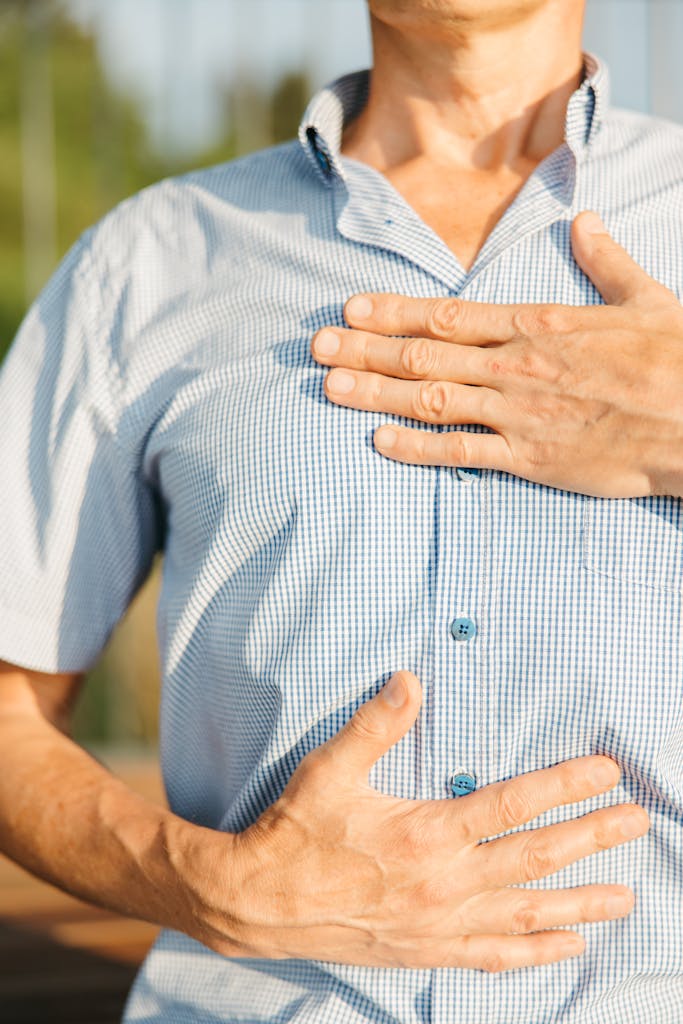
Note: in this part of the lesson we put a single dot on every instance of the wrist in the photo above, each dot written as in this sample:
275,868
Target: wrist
204,874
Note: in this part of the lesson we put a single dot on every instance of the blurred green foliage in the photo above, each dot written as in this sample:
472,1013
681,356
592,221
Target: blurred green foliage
100,153
99,146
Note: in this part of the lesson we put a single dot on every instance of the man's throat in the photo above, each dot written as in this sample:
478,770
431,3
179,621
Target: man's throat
461,206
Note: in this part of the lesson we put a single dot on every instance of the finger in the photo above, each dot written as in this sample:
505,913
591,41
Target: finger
433,401
466,323
460,448
535,853
495,953
618,278
445,319
406,358
523,911
517,801
375,727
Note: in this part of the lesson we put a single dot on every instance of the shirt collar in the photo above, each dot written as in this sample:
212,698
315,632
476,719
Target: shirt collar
331,109
322,126
588,106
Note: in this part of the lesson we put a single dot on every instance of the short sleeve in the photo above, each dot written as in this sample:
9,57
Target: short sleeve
79,526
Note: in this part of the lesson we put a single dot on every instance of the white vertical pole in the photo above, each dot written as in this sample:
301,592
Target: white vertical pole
666,65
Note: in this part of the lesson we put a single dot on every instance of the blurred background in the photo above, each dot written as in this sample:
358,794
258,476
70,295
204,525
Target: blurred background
99,98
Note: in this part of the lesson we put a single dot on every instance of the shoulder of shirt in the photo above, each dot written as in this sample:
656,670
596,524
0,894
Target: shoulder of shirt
638,125
635,159
148,258
635,141
168,218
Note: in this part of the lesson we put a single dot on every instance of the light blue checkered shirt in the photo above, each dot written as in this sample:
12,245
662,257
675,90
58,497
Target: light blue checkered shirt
161,395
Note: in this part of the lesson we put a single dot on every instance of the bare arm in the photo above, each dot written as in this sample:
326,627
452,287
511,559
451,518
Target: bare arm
64,817
333,870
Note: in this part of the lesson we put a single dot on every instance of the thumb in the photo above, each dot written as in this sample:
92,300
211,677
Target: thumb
377,725
617,277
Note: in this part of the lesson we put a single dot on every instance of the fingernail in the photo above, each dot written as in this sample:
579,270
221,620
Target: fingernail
359,307
604,774
327,343
632,826
394,693
592,225
340,382
618,906
385,438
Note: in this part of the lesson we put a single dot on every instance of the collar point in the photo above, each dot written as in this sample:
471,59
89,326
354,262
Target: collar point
325,164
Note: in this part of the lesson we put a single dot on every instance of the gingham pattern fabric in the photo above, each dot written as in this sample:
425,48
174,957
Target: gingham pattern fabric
161,395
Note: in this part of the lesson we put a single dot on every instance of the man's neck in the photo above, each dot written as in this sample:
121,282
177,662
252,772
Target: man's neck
471,94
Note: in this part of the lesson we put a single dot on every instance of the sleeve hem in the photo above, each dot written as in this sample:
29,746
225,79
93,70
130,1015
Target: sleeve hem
23,642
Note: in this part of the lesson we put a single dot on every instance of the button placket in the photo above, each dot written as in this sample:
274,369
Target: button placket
461,513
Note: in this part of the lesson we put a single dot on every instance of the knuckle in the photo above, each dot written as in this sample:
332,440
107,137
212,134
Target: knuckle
443,316
431,401
375,387
364,726
527,363
602,839
313,761
313,769
526,918
492,963
605,832
418,358
524,322
362,350
537,320
424,832
459,448
468,831
538,859
497,367
572,780
511,807
416,445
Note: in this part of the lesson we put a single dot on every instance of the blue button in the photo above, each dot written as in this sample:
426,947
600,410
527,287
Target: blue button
462,783
463,629
468,475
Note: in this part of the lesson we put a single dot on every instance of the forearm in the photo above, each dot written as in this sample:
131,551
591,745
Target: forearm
65,818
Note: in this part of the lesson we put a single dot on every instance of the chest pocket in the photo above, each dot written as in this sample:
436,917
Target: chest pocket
635,540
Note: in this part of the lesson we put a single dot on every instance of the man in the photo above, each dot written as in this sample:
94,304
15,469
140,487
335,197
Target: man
335,847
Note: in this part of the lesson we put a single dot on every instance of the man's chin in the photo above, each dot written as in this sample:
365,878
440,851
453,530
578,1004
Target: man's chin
457,14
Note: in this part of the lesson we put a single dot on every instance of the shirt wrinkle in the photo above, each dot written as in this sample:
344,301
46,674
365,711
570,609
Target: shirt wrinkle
301,568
